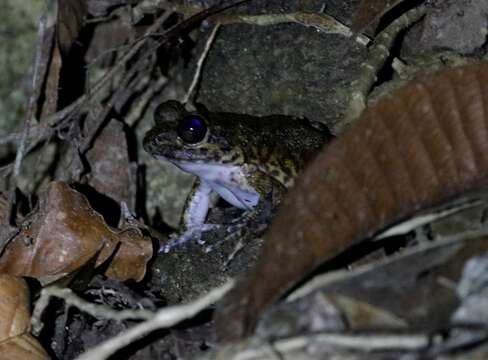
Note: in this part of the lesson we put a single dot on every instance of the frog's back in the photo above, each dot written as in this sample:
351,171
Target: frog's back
280,146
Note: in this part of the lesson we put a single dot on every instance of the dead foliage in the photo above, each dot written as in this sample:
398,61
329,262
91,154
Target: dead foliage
65,233
81,217
16,342
370,11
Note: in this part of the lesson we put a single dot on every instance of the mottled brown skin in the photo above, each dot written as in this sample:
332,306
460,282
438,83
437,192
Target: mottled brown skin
278,146
423,144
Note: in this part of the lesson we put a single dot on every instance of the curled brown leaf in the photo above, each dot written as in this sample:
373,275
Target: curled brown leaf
66,233
15,341
14,307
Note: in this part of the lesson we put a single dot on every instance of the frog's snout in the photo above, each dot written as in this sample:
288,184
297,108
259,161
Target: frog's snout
152,141
147,143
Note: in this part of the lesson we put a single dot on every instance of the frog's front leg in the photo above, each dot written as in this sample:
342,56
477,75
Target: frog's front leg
193,217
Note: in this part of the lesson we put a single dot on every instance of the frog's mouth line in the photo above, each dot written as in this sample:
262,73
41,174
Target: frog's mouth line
185,158
185,164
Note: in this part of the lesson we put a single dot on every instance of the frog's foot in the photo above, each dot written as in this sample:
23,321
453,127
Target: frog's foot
240,230
192,234
250,222
242,220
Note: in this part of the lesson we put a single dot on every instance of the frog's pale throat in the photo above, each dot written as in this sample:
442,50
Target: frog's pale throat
226,181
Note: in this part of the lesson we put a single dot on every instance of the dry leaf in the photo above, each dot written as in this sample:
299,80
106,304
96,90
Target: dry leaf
131,258
109,163
66,233
70,20
23,347
361,315
370,11
48,66
71,16
51,87
15,341
14,307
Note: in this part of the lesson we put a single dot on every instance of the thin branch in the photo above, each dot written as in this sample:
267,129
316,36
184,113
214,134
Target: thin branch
363,342
145,7
44,36
59,119
378,54
422,218
164,318
144,100
38,76
323,280
71,299
131,79
320,21
200,62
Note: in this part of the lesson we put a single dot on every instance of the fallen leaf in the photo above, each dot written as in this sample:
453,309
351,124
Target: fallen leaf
69,22
65,233
71,17
370,11
362,316
48,65
15,341
99,8
14,306
109,163
131,257
23,347
51,86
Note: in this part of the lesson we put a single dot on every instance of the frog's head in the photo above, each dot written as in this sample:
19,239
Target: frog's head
181,137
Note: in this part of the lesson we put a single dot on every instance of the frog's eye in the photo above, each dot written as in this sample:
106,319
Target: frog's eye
192,129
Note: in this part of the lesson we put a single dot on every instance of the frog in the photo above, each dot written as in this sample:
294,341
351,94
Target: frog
249,161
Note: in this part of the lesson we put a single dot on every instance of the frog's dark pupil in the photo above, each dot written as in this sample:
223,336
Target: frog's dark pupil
192,129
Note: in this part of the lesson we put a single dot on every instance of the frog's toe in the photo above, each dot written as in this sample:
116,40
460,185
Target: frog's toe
210,227
235,232
240,230
177,240
245,217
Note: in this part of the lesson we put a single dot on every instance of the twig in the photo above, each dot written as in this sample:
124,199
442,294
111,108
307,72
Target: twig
239,246
164,318
106,52
364,342
321,281
132,77
43,37
120,65
138,44
145,7
58,120
71,299
200,62
425,217
319,21
36,81
144,100
378,54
